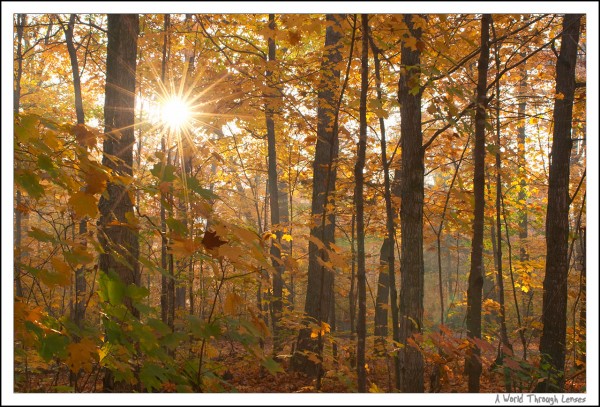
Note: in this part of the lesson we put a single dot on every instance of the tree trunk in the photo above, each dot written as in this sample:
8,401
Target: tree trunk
473,362
411,216
80,283
119,241
554,317
277,303
386,286
522,197
505,344
361,327
19,198
164,281
319,290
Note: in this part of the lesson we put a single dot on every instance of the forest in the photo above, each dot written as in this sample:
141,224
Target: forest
299,203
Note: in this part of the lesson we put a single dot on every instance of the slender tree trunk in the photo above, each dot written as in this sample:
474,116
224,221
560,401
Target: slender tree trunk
411,216
361,327
120,242
320,279
80,283
554,317
473,362
522,196
21,18
277,303
164,281
386,286
352,293
506,345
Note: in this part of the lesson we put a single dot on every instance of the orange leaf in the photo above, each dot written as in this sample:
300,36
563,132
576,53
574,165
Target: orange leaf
81,355
84,204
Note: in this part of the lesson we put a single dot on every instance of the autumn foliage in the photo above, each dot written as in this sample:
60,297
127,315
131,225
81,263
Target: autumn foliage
243,259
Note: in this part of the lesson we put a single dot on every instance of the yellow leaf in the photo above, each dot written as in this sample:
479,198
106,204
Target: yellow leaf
232,302
559,96
184,247
375,389
84,204
233,253
165,187
60,265
81,355
411,42
247,236
286,237
316,241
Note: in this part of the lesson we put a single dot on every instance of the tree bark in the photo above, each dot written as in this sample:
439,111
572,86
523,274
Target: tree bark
361,327
411,216
274,196
164,281
21,18
506,345
474,291
80,283
319,290
118,240
554,316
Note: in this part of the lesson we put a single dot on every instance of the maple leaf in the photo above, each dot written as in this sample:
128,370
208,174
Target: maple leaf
232,302
84,135
183,247
294,37
81,355
211,240
83,204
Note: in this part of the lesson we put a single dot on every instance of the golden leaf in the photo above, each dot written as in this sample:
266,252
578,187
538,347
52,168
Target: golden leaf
84,204
81,355
232,302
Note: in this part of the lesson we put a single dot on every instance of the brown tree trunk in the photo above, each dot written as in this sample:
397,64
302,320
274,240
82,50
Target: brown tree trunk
506,345
80,283
19,198
78,310
473,362
120,242
319,290
522,198
554,316
411,216
274,197
361,327
164,281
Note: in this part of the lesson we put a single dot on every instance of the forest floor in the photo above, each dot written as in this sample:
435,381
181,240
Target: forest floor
238,373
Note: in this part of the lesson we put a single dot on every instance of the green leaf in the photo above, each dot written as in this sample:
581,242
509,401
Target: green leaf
173,340
40,235
158,326
53,345
45,163
202,330
136,292
492,148
194,185
164,173
26,129
112,289
152,376
272,366
30,183
177,226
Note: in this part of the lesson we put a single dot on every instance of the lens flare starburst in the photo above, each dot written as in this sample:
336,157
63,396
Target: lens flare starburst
175,113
